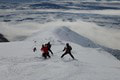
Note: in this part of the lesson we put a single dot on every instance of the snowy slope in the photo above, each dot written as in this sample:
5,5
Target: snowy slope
17,61
89,31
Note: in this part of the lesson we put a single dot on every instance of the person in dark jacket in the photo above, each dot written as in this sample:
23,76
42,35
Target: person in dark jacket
45,53
49,47
67,50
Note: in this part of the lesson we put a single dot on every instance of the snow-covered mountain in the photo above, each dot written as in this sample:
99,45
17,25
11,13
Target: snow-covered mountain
19,19
92,27
17,61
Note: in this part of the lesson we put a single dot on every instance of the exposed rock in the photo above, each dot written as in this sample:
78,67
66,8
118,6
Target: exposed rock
3,39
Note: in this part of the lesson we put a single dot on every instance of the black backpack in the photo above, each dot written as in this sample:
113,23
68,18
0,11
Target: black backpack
70,48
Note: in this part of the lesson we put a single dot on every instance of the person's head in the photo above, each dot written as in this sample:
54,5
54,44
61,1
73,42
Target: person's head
48,42
46,45
42,45
67,44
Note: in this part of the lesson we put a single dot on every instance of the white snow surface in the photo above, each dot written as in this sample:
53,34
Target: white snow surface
18,62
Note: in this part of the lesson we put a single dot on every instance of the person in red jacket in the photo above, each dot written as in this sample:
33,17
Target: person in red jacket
45,53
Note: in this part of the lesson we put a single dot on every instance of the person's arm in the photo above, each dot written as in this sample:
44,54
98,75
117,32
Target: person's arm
64,49
41,49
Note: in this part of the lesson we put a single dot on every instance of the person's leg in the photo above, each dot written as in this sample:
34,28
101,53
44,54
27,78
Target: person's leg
51,51
48,55
44,55
63,55
71,55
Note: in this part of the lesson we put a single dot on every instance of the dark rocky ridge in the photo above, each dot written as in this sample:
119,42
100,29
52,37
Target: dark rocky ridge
3,39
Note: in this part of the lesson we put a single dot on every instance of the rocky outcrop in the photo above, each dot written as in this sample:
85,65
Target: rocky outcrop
3,39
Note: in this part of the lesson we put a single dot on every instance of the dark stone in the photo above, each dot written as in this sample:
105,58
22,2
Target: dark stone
3,39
